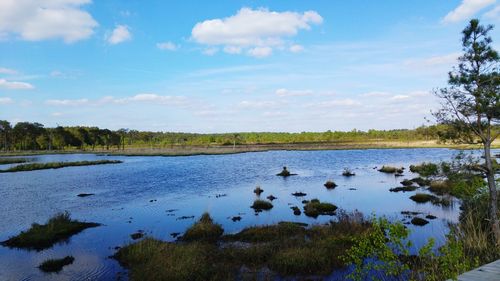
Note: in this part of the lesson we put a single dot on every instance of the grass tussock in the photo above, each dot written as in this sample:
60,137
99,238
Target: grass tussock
262,205
55,165
56,265
314,208
43,236
288,249
419,221
330,184
424,198
390,170
440,187
425,169
5,161
421,181
348,173
205,230
403,188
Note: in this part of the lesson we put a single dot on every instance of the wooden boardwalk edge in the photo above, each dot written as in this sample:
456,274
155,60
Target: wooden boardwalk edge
487,272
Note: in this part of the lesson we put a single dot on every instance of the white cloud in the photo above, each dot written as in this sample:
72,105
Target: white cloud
257,104
288,93
167,46
210,51
139,98
443,60
260,52
4,70
400,97
232,50
14,85
120,34
466,9
493,13
296,48
36,20
335,103
375,94
258,30
6,101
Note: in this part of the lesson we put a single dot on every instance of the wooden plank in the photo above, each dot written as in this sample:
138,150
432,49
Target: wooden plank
487,272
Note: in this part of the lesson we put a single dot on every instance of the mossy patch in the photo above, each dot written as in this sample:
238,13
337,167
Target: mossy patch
56,265
43,236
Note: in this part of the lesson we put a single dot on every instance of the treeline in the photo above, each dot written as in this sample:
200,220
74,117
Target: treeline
34,136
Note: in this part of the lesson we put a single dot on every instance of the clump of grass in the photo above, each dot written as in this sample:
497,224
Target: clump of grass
204,230
440,187
258,190
271,197
85,194
330,184
406,182
296,210
403,189
314,208
285,173
262,205
152,259
425,169
390,170
424,198
419,221
5,161
56,165
421,181
56,265
348,173
57,229
299,194
137,235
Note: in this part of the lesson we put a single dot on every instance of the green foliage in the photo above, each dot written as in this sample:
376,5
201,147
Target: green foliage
57,229
314,208
379,252
4,161
262,205
56,165
390,170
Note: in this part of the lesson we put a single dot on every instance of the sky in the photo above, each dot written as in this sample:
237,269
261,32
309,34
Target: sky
230,65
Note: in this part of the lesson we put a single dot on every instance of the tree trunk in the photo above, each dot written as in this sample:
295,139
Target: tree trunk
490,174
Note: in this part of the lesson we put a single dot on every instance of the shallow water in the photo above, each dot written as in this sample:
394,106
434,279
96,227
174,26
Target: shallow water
189,185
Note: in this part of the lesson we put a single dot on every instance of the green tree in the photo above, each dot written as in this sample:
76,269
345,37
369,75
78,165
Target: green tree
471,102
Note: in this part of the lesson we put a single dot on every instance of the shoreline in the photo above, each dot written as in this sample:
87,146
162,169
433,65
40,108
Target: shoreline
196,150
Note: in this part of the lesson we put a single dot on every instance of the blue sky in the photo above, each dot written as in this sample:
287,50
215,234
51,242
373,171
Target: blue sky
224,66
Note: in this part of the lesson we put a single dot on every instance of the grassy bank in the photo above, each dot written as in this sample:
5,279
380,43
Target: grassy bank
55,165
188,150
43,236
4,161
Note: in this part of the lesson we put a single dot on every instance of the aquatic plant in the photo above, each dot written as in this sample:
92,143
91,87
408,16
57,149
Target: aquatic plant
4,161
55,165
403,189
425,169
314,208
419,221
330,184
258,190
348,173
424,198
390,170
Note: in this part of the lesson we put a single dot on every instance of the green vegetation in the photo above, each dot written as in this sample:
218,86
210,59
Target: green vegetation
348,173
56,265
314,208
440,187
4,161
56,165
205,230
262,205
390,170
287,249
421,181
57,229
258,190
425,169
419,221
407,182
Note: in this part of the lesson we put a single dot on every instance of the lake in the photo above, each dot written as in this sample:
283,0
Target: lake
152,194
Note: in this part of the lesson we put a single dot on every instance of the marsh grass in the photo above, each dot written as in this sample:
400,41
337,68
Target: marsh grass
262,205
330,184
287,249
403,189
205,230
424,198
56,265
43,236
56,165
425,169
4,161
440,187
390,170
419,221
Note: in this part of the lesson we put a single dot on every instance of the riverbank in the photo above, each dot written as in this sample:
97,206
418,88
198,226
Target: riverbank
187,150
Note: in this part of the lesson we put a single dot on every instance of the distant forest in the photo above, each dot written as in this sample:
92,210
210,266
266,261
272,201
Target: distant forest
34,136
